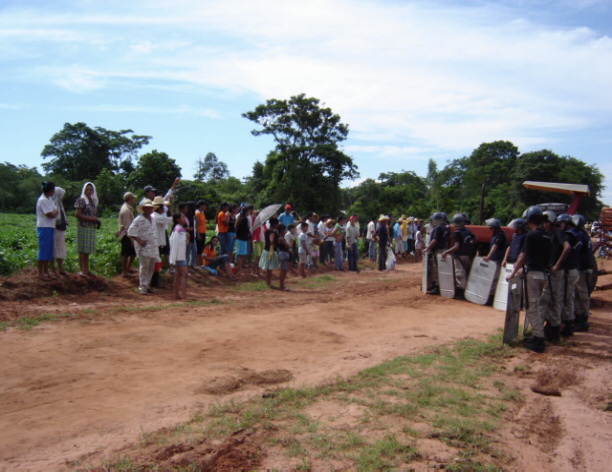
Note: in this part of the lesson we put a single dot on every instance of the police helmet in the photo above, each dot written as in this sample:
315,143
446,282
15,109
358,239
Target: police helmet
550,215
534,214
518,223
493,223
579,221
438,218
565,218
459,219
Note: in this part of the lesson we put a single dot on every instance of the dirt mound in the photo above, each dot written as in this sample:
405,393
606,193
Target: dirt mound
241,451
228,384
26,286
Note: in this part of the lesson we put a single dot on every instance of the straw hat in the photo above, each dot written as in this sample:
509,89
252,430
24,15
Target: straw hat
146,204
382,218
159,201
330,222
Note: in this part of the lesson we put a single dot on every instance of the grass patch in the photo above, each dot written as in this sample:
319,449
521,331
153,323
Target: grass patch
312,282
259,286
375,420
29,322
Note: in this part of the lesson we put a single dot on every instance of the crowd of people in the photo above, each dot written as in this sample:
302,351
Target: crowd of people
241,240
553,253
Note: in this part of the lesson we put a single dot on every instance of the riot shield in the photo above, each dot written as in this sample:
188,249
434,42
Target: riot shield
480,281
446,275
501,292
513,309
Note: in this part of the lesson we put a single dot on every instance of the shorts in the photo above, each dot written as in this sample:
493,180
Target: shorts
127,247
180,263
46,243
243,248
303,258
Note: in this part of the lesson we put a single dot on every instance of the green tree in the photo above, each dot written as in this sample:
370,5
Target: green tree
79,152
546,166
211,169
21,187
110,189
155,168
307,165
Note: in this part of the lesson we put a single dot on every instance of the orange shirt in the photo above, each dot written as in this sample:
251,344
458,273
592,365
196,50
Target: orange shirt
209,252
201,221
222,226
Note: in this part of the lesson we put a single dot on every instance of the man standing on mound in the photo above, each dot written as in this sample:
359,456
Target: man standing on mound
143,232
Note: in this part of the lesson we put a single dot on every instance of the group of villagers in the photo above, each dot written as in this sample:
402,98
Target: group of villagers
553,254
51,225
283,242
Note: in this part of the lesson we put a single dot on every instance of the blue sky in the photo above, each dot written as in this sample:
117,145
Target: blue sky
414,80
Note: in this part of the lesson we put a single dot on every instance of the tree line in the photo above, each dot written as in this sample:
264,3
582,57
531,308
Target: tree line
305,167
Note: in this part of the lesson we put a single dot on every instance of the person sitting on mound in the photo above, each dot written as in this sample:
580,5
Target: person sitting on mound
212,262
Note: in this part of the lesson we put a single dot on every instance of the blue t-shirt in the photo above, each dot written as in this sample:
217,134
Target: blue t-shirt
286,219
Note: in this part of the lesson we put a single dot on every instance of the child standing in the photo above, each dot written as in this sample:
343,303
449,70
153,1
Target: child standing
269,257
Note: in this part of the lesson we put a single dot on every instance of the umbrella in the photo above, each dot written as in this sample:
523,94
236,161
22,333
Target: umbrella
265,214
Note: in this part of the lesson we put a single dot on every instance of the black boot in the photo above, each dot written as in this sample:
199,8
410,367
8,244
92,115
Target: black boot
535,344
155,280
568,329
552,333
433,291
581,324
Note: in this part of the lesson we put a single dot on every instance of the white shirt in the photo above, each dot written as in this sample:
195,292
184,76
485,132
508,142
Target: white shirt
370,229
44,205
143,229
161,224
178,246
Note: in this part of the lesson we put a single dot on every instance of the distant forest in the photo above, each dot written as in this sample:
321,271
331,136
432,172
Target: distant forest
305,168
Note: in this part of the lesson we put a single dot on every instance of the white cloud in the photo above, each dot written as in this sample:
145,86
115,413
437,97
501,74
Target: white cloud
182,110
408,77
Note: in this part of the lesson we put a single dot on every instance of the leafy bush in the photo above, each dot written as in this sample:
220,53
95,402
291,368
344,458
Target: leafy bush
19,245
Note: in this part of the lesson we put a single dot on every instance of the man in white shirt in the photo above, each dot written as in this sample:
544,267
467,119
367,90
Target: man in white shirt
371,238
143,232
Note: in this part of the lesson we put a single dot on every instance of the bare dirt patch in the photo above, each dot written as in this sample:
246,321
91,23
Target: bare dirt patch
96,385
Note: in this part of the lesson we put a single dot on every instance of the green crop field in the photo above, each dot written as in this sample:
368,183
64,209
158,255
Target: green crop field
19,245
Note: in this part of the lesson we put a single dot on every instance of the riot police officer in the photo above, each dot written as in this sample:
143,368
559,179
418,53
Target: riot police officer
535,257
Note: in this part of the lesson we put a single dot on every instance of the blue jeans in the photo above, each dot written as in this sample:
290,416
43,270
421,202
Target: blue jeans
231,242
223,240
339,260
372,250
353,256
192,252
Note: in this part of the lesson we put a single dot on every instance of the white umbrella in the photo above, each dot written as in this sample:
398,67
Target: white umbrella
265,214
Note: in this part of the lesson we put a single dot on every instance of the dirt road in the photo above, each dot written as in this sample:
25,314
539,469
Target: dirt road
138,364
